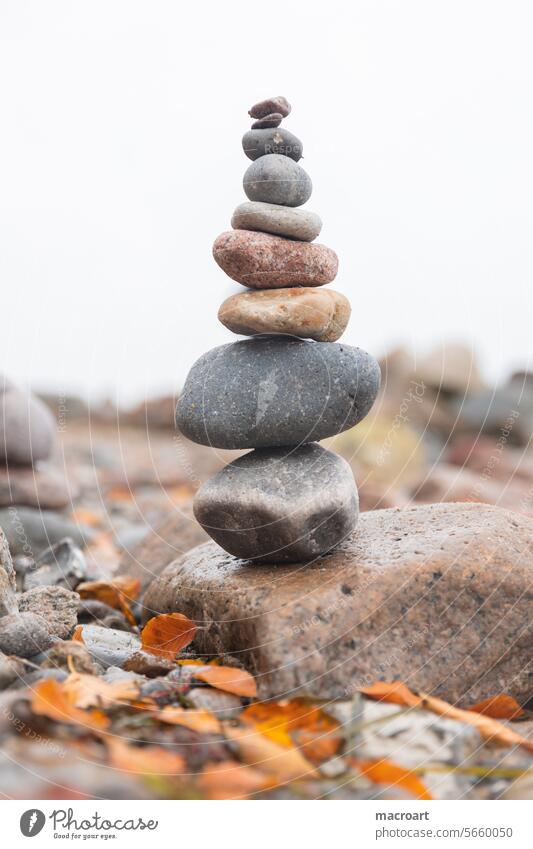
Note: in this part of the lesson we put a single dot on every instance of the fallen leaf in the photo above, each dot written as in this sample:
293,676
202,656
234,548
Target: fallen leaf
499,707
117,593
284,764
391,774
490,729
143,760
230,780
84,691
167,634
296,721
77,635
227,678
197,720
50,699
83,516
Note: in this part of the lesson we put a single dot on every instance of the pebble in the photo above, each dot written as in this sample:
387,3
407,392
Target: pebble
262,261
29,531
269,121
275,390
256,143
27,428
11,669
67,654
109,646
24,634
278,220
43,487
319,314
62,564
57,605
8,596
271,104
275,178
280,505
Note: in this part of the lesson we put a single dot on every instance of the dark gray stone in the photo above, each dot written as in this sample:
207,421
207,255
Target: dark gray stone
280,505
29,531
62,564
57,605
256,143
27,428
272,391
277,179
263,108
24,634
269,121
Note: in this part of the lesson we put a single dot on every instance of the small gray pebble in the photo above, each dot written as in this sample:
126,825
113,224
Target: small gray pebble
269,121
277,179
24,634
256,143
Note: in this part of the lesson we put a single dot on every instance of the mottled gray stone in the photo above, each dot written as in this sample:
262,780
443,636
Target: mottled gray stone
27,428
24,634
268,122
57,605
277,179
256,143
265,107
279,220
62,564
109,646
11,669
29,531
280,505
272,391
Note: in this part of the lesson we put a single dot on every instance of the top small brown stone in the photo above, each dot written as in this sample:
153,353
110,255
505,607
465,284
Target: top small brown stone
272,105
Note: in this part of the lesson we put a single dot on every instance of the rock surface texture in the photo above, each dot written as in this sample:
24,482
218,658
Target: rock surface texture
275,178
438,597
298,224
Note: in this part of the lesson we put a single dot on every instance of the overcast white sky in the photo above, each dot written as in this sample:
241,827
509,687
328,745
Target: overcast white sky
121,161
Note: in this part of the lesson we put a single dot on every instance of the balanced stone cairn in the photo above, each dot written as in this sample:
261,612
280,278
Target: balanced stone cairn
288,500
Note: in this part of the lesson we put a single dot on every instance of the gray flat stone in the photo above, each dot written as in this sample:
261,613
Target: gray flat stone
272,391
256,143
279,220
277,179
280,505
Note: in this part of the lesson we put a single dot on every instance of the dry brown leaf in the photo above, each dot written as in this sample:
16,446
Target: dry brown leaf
296,721
167,634
499,707
83,516
84,691
489,728
117,593
284,764
77,635
144,760
230,780
201,721
227,678
393,775
50,699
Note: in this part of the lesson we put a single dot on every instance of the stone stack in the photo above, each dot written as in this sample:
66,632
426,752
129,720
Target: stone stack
288,500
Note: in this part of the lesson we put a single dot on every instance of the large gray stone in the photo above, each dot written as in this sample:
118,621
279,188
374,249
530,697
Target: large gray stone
24,634
27,428
57,606
273,391
280,505
29,531
275,178
256,143
438,597
279,220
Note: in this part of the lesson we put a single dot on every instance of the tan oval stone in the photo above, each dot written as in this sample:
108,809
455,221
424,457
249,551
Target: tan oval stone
262,261
319,314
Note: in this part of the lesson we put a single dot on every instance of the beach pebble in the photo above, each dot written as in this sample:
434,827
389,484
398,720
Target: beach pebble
256,143
275,178
57,605
300,224
271,104
24,634
27,428
273,120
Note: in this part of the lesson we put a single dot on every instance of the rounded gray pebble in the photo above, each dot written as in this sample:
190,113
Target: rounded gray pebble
256,143
271,104
269,121
271,391
280,505
277,179
24,634
300,224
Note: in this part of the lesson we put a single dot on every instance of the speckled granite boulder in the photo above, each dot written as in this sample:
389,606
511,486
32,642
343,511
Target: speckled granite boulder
437,596
272,391
263,261
280,505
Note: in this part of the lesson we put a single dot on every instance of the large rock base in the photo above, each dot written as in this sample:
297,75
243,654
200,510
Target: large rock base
439,597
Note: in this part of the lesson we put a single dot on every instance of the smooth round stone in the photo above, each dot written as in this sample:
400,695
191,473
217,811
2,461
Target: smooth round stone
24,634
276,390
262,261
268,121
285,221
280,505
275,178
27,428
319,314
256,143
271,104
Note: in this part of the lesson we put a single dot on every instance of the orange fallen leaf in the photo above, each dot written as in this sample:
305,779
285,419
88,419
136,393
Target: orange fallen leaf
391,774
227,678
86,517
197,720
84,691
306,724
119,492
51,700
499,707
490,729
167,634
77,635
144,760
117,593
284,764
230,780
